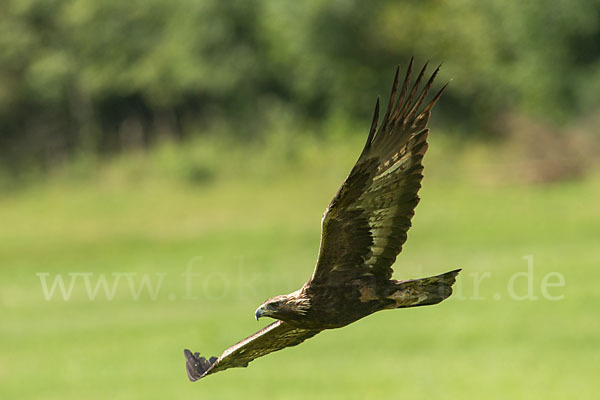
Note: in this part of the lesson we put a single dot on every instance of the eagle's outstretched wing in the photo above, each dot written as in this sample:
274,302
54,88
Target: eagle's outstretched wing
273,337
365,226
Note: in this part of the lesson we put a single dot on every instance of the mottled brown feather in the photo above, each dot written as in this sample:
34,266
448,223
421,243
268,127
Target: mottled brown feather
366,223
273,337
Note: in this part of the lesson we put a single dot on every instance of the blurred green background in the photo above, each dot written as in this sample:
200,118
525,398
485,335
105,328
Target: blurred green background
142,141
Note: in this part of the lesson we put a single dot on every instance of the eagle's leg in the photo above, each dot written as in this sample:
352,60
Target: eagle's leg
197,366
421,292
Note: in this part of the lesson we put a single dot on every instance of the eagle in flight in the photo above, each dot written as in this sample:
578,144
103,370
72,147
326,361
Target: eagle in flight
362,232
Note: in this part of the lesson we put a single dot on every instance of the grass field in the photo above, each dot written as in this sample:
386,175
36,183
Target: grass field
247,222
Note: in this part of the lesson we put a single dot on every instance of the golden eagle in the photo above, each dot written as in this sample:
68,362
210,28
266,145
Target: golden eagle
362,232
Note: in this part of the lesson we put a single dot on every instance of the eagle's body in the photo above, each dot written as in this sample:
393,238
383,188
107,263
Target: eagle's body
334,306
363,230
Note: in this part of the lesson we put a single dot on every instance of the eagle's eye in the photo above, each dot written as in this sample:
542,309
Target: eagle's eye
276,304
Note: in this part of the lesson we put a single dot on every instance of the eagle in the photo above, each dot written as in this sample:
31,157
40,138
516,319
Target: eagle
362,231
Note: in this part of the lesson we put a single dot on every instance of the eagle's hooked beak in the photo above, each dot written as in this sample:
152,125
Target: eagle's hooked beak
260,311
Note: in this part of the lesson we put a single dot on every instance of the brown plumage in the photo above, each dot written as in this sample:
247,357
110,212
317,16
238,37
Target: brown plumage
363,230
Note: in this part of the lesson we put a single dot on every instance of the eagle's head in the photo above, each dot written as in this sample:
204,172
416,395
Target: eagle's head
283,307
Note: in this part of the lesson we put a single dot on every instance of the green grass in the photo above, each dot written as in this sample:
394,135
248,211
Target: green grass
255,218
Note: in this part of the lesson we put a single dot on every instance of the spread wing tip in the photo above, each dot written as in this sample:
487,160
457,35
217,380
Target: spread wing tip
197,367
405,107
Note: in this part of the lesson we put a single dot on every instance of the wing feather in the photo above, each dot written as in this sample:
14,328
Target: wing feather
366,223
273,337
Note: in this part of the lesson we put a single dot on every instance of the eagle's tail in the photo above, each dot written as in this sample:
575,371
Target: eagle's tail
422,292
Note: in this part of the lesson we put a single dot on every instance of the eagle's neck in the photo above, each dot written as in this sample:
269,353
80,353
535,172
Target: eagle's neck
298,302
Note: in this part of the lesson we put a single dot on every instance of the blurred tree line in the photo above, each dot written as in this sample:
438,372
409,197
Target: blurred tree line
103,76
